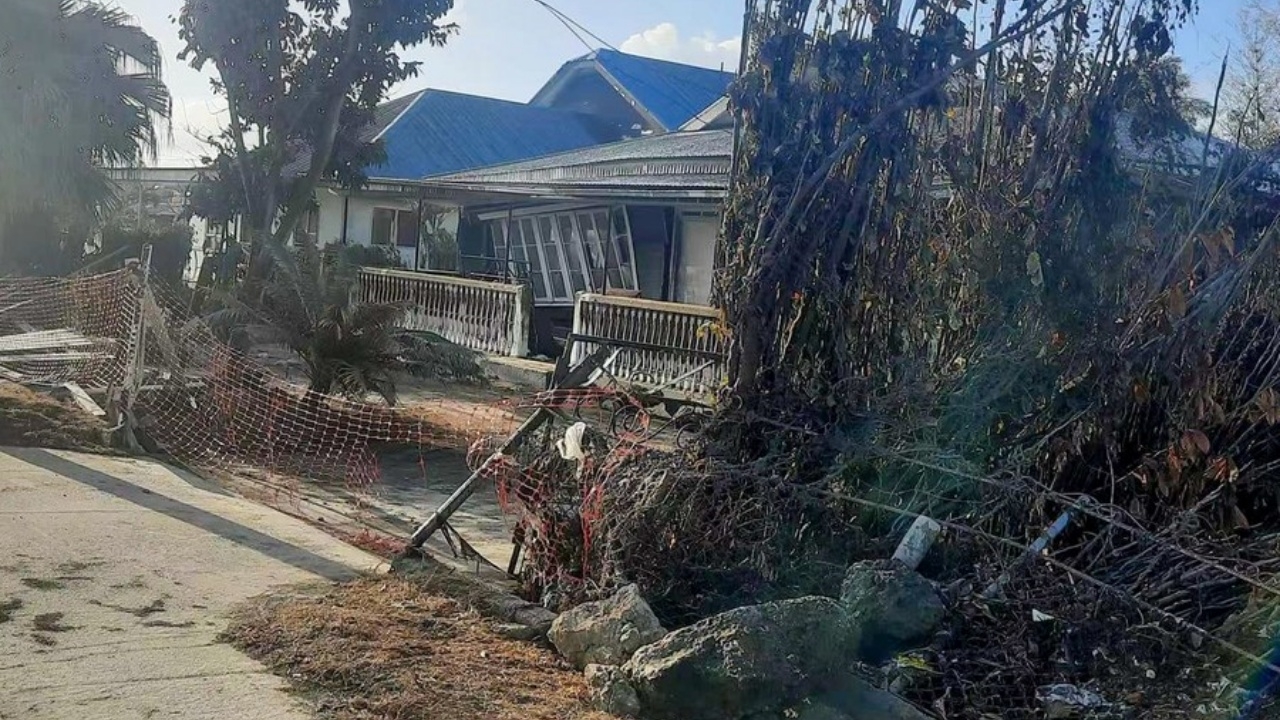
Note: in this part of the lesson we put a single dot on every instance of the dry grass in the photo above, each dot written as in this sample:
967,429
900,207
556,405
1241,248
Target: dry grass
382,648
30,419
456,422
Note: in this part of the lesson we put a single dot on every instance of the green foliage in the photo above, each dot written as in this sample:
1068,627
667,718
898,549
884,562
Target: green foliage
39,243
170,249
375,256
349,347
61,248
443,253
301,80
83,92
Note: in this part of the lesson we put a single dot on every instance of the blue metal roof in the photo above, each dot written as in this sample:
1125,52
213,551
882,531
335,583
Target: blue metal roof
672,92
439,132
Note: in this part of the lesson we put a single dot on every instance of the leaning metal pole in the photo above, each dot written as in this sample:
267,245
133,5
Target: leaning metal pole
578,376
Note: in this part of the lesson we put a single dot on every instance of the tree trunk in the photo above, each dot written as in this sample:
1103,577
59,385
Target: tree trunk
331,117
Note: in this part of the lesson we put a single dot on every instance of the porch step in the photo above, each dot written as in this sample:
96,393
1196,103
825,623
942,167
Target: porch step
521,373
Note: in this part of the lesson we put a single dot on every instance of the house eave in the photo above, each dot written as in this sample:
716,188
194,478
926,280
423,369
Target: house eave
570,193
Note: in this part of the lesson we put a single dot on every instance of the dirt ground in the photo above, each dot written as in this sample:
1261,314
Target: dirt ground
32,419
387,647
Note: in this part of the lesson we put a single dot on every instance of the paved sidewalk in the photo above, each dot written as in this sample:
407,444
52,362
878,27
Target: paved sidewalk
116,576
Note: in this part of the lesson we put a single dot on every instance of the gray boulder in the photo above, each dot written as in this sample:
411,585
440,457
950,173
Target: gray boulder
610,691
516,631
607,632
895,607
853,696
750,661
819,711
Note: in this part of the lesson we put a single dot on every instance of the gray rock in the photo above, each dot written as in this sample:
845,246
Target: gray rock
855,697
750,661
895,607
520,612
516,631
819,711
606,632
610,691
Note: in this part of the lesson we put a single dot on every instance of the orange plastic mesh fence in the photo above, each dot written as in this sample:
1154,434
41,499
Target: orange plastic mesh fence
213,406
219,409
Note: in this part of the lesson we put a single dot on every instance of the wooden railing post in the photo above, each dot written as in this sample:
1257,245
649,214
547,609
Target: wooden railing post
661,343
521,321
579,326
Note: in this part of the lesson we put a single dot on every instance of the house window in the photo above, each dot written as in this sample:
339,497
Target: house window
570,252
394,227
308,228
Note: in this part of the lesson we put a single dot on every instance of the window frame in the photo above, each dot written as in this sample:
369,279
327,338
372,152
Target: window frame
398,216
610,273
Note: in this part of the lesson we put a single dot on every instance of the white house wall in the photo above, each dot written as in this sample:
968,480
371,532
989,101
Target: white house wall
359,212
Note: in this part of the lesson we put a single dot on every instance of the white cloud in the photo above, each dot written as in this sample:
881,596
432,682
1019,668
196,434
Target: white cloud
458,13
194,120
663,41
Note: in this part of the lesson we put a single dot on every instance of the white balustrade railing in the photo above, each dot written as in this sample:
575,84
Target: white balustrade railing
662,344
487,317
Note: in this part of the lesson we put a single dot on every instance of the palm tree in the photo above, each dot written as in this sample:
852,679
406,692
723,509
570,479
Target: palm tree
311,304
83,92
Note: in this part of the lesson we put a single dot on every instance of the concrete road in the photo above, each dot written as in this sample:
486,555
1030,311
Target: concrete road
116,577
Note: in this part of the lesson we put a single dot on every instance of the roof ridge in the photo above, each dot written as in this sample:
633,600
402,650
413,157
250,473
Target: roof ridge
663,61
504,101
412,103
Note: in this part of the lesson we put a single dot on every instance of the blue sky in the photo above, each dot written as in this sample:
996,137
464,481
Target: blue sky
508,48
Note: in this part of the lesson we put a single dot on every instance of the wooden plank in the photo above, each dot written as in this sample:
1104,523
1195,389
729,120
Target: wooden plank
44,340
85,402
15,306
54,357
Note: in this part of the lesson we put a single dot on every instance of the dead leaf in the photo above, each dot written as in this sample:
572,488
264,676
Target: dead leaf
1176,303
1212,246
1220,469
1268,405
1195,440
1227,240
1238,520
1175,465
1034,270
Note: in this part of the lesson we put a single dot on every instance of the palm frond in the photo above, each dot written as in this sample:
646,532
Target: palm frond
348,346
